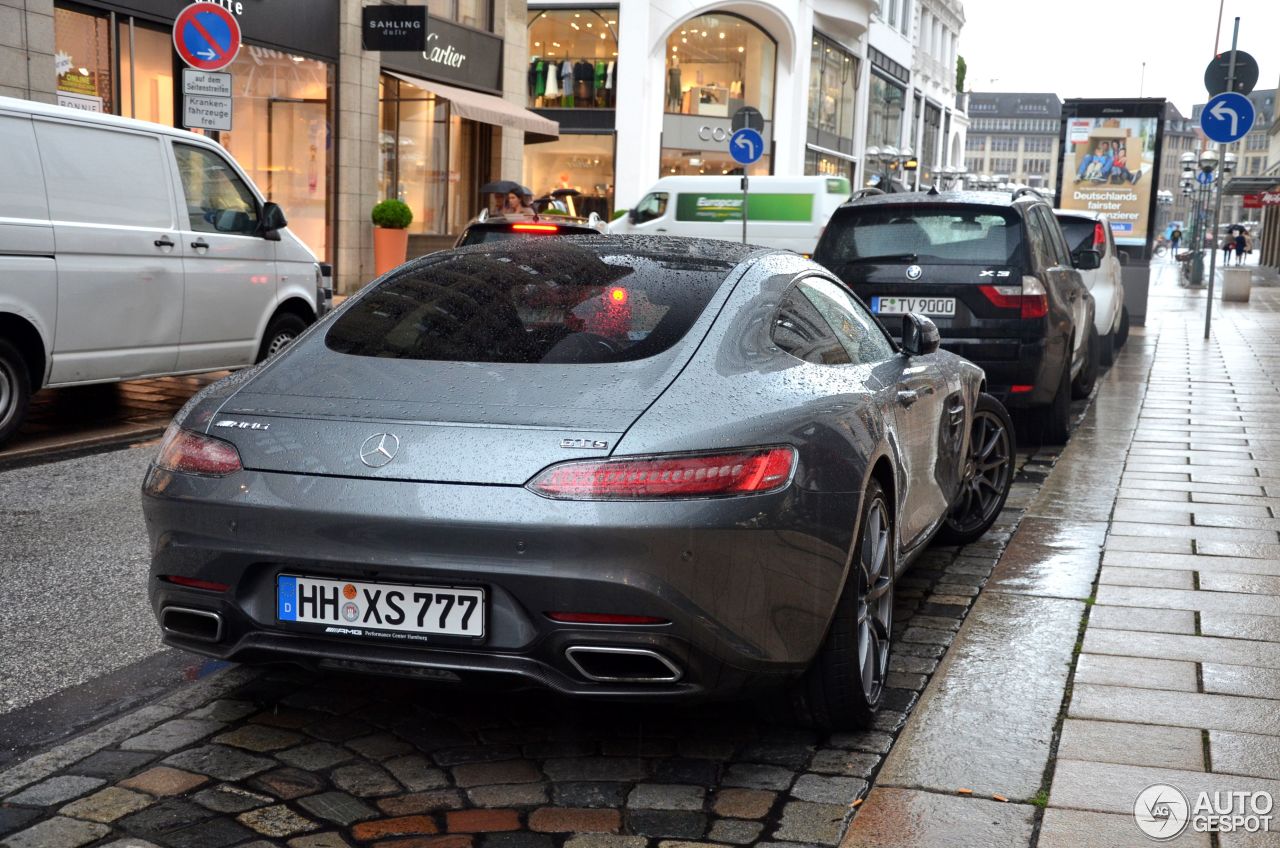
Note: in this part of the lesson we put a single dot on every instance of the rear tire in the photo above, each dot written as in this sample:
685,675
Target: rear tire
280,332
844,685
1122,335
1082,385
1051,425
988,475
15,389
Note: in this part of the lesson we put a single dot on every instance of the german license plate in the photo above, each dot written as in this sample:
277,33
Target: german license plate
945,306
440,610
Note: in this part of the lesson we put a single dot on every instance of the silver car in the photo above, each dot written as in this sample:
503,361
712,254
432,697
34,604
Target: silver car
620,467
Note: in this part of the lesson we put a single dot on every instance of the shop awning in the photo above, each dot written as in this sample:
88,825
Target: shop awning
488,109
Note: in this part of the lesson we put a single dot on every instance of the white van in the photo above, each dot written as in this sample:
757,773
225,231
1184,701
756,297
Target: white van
783,212
130,249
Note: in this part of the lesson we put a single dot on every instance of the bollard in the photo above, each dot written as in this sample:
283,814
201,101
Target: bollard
1235,285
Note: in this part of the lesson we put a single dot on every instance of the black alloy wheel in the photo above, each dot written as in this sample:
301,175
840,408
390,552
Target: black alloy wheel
988,475
845,684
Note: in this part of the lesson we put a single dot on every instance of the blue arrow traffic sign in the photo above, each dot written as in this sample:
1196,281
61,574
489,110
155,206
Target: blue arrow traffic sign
207,37
1204,177
746,146
1227,117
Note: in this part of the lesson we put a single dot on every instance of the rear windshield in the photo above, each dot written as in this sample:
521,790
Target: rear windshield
552,303
953,234
1080,233
479,235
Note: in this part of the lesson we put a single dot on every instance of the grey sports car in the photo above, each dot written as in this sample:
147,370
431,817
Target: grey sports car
624,467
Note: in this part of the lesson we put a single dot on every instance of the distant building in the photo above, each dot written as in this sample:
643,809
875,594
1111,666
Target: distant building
1014,136
1180,136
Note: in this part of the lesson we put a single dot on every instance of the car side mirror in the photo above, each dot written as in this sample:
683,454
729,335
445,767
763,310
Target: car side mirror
271,221
920,336
1087,260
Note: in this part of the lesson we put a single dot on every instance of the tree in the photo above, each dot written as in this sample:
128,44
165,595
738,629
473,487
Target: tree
961,70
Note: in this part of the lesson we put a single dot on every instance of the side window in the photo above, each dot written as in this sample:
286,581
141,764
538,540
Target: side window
856,331
103,176
1057,241
217,199
652,207
1042,250
800,330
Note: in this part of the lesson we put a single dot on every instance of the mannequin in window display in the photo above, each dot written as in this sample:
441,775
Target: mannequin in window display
673,85
584,83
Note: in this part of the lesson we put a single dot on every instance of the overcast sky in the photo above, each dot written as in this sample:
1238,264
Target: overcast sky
1093,48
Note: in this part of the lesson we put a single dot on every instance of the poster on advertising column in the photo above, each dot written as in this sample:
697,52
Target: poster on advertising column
1109,167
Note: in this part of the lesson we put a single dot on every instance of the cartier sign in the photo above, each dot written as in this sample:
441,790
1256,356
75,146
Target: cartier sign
453,54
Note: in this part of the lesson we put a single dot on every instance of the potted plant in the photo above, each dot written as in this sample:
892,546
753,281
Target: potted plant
390,217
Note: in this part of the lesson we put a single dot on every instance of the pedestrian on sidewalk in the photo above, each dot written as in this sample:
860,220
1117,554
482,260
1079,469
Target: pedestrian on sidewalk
1248,246
1228,245
1175,239
1239,245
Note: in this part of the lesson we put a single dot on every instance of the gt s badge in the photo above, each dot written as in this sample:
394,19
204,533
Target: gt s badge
584,444
242,425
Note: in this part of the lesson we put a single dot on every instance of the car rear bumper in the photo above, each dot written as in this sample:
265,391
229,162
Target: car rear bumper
746,585
1009,363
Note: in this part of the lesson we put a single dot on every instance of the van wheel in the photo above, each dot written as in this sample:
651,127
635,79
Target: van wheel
15,389
1107,349
284,329
845,684
1122,335
1082,385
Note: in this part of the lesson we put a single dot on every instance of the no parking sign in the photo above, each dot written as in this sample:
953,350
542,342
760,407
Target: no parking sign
206,36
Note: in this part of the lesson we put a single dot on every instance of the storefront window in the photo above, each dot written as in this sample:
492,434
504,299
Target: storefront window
83,61
146,83
580,162
431,159
280,118
472,13
573,57
884,115
824,164
693,162
718,63
833,78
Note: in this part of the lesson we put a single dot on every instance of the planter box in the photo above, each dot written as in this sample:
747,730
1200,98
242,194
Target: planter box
1236,284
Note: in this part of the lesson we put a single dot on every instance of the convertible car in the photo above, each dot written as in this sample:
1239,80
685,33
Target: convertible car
622,467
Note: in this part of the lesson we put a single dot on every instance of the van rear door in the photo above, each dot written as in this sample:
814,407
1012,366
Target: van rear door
118,254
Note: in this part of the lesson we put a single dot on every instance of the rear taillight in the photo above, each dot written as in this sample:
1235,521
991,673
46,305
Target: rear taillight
1029,298
535,228
192,583
189,452
1099,236
748,472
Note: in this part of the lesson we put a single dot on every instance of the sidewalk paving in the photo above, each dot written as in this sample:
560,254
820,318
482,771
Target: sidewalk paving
1153,554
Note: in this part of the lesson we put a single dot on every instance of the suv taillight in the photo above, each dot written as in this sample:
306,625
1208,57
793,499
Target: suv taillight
1030,298
752,471
535,228
189,452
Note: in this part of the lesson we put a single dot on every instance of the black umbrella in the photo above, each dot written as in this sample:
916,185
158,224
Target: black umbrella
504,187
566,192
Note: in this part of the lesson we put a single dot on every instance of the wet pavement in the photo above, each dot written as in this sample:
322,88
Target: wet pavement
1123,624
63,422
1130,634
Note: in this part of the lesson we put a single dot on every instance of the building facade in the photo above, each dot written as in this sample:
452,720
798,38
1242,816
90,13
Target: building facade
939,126
1013,137
323,127
645,89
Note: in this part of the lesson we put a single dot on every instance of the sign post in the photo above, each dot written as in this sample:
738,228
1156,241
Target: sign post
746,146
207,38
1227,117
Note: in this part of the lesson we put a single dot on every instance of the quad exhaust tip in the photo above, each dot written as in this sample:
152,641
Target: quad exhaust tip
201,625
622,665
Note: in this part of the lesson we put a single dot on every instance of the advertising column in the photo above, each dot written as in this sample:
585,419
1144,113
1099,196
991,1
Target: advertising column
1110,150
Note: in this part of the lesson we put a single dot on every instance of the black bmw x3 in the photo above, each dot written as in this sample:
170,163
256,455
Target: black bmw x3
994,272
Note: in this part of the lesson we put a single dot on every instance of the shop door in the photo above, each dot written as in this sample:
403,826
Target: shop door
297,166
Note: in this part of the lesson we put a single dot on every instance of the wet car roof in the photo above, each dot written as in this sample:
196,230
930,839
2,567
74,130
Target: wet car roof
1001,199
710,250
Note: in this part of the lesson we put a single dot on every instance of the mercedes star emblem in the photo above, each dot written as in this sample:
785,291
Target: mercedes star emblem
914,272
379,449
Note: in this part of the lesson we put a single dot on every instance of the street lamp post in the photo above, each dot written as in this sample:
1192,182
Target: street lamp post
1209,161
887,162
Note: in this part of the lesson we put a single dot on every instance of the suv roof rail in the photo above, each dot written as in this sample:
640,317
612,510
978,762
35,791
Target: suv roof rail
865,192
1031,191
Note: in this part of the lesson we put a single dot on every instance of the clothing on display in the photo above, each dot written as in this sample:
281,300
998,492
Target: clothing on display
585,83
